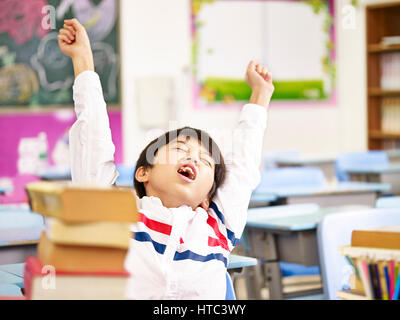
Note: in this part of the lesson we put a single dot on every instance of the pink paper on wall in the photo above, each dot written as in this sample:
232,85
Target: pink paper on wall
15,126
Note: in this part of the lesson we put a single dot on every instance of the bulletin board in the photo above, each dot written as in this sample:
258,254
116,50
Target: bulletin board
33,70
294,39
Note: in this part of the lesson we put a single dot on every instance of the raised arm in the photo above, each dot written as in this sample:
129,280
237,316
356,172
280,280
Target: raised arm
91,146
243,164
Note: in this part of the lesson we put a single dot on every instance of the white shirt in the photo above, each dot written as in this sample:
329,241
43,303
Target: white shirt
175,253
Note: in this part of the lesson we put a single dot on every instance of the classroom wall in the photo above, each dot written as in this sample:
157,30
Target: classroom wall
155,40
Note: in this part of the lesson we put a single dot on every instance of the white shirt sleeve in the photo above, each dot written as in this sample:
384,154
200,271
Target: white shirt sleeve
243,171
91,147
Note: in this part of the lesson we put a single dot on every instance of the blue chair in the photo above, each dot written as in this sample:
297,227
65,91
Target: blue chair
270,158
10,290
388,202
19,224
358,160
290,177
230,292
334,231
125,175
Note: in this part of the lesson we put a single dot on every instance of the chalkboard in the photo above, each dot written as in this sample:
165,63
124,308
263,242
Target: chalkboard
33,70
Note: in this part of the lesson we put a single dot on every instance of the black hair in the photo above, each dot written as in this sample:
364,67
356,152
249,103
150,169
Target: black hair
146,157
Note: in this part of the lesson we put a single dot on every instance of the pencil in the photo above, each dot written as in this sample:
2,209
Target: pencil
397,290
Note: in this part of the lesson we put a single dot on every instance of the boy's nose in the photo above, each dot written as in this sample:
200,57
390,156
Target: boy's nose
192,159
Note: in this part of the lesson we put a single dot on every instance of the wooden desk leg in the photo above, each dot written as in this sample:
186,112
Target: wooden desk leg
274,280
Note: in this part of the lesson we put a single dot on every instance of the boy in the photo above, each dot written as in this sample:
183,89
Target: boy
193,208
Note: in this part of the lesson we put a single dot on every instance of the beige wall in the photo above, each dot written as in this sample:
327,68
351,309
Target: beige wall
155,40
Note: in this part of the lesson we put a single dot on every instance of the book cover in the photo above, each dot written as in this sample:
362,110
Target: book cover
41,284
385,238
101,234
80,258
73,202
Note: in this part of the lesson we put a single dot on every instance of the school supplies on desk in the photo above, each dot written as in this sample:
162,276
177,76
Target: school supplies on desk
101,234
74,202
104,285
378,270
85,239
384,237
80,258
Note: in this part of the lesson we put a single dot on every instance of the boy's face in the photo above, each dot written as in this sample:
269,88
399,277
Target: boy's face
182,174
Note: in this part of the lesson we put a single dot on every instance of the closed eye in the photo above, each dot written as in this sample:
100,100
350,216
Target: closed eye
206,161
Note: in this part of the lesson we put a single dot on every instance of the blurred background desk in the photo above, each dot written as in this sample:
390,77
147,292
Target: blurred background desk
284,234
345,193
389,174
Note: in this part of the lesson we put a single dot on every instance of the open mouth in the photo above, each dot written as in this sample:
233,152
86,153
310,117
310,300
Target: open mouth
188,172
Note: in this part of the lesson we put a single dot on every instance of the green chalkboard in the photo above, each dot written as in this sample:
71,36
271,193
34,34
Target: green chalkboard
33,71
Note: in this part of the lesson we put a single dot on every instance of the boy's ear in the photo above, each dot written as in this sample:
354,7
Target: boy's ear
142,174
205,204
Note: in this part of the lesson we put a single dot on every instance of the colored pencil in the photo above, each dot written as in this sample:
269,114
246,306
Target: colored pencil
391,274
377,281
365,278
397,290
387,277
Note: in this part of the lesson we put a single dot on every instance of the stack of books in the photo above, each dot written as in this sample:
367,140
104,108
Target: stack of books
82,250
375,258
390,144
390,75
390,40
390,115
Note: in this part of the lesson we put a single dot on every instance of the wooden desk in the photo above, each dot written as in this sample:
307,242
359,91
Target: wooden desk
325,163
377,174
344,193
284,234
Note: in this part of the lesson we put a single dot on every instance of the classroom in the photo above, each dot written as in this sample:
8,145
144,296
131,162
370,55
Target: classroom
200,150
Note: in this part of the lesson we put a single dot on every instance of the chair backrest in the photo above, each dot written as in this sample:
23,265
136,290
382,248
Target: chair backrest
291,177
388,202
334,231
230,291
270,158
359,160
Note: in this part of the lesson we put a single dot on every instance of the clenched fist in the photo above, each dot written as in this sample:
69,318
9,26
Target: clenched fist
74,42
260,81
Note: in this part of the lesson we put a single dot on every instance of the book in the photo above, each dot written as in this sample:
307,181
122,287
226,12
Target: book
390,115
390,66
386,238
391,40
101,234
365,278
301,283
351,295
80,258
377,268
377,253
41,284
73,202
